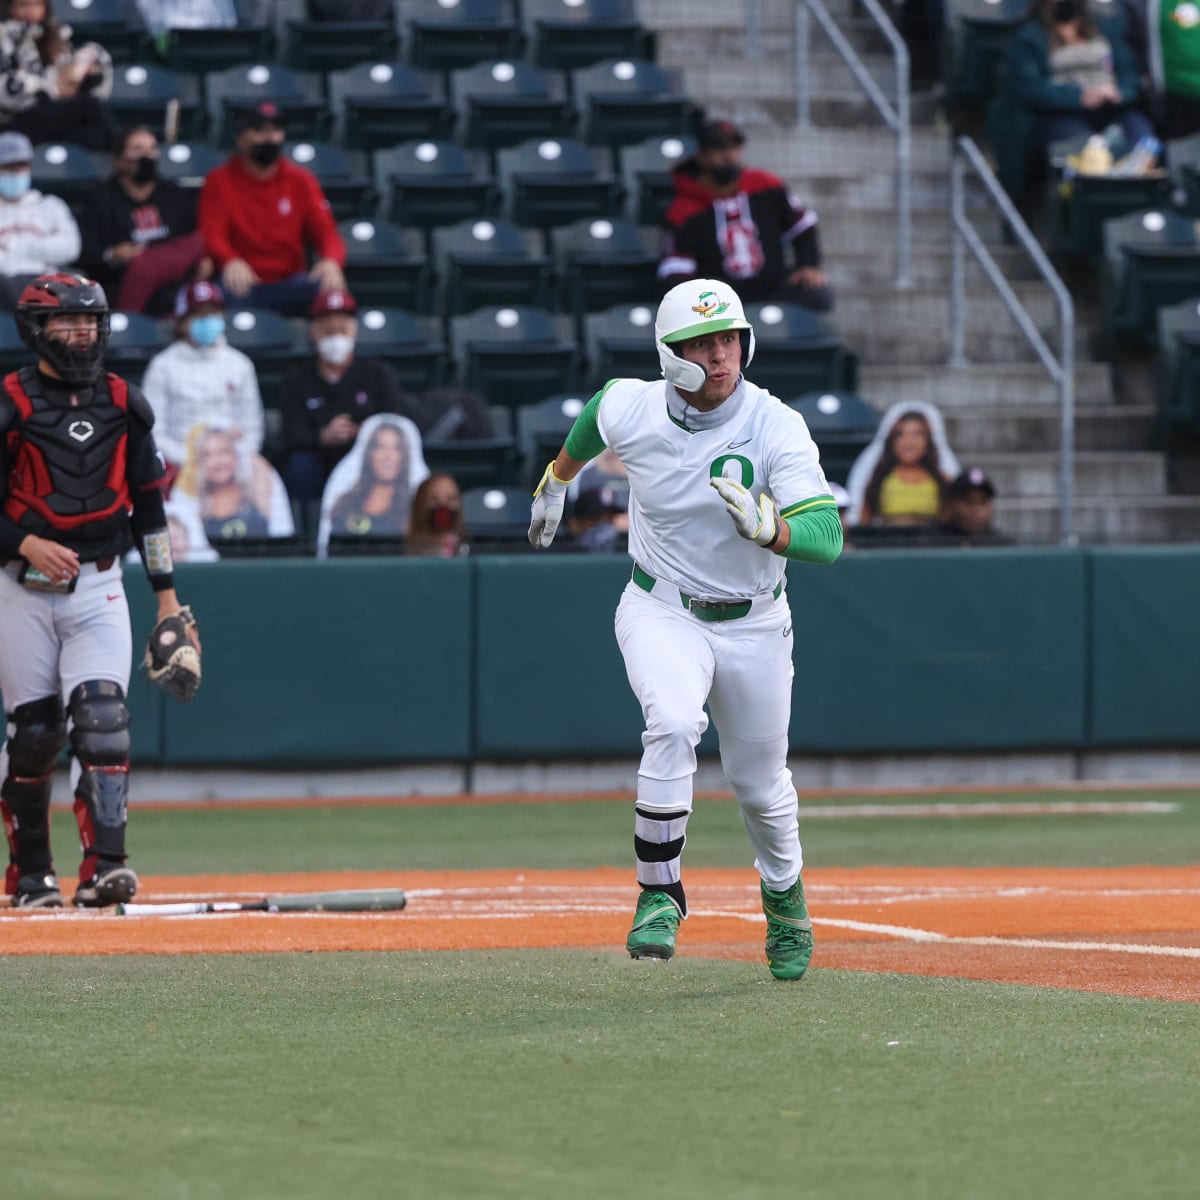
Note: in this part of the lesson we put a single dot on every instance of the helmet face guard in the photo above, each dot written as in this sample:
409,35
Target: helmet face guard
59,294
691,310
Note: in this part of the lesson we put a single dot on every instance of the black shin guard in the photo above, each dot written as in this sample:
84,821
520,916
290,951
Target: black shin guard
39,734
100,737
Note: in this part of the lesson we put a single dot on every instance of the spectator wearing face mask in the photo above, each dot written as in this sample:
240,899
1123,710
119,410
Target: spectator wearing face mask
201,380
327,397
261,214
739,224
37,232
139,232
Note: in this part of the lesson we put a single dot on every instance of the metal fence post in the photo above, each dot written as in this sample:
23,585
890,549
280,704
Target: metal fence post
958,266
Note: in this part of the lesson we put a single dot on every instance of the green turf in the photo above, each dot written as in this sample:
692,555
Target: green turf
578,1075
586,834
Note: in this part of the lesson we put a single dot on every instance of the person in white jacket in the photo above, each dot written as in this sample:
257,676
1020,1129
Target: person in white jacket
200,379
37,232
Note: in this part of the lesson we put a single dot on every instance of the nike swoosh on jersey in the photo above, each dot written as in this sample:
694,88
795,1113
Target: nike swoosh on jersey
736,445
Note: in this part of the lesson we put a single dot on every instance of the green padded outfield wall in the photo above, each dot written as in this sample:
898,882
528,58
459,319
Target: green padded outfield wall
339,662
1145,655
942,650
894,650
373,661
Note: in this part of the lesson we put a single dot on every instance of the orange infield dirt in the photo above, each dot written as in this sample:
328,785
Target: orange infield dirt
1131,931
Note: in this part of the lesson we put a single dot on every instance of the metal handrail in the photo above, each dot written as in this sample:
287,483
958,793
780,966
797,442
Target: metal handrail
1061,369
895,116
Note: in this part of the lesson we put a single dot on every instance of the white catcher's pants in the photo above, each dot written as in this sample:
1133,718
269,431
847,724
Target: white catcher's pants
50,644
743,669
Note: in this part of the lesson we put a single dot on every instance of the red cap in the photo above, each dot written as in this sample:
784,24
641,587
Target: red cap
335,300
197,294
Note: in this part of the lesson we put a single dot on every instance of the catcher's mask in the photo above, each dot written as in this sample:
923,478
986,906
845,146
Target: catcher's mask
691,310
54,295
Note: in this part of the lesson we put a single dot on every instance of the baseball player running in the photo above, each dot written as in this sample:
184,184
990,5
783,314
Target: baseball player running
80,482
725,484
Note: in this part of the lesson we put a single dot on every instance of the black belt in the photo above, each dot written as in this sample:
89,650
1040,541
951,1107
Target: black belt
704,610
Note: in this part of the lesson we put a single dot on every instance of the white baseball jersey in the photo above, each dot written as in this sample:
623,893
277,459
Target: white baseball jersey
679,529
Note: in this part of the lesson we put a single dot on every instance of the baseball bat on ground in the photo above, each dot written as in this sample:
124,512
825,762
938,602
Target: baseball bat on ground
364,900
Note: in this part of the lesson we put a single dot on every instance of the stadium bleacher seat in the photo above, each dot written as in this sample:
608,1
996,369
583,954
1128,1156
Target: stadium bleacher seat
1079,208
116,24
796,352
300,96
449,36
134,339
270,341
142,95
543,427
646,172
568,34
379,104
977,33
600,263
251,40
1151,259
478,462
412,344
386,265
344,176
514,356
488,261
498,518
187,163
1178,368
506,103
620,344
625,101
842,425
1183,166
427,184
336,45
69,171
556,181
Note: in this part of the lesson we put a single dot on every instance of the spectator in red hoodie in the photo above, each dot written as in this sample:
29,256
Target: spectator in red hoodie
261,215
735,223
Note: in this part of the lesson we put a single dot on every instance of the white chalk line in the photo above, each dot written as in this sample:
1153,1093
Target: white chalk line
1019,808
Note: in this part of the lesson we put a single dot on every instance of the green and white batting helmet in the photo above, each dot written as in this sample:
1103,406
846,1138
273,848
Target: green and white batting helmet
694,309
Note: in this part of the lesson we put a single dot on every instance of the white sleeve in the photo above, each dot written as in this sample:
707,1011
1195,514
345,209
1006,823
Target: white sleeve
154,387
250,408
61,243
794,472
279,520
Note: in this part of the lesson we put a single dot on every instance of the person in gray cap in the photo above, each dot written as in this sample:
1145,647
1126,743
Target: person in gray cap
37,232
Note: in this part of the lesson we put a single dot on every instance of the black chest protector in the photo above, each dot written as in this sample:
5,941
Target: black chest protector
67,461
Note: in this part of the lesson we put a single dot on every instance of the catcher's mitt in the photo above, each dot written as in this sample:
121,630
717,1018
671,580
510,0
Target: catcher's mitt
172,661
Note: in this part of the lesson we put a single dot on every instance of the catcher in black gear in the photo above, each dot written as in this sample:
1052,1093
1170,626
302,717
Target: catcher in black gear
80,483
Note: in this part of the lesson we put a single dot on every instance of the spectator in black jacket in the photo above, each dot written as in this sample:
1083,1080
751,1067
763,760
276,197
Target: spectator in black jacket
735,223
139,232
327,397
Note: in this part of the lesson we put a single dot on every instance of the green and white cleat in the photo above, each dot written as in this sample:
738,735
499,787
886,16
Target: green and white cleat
655,924
789,931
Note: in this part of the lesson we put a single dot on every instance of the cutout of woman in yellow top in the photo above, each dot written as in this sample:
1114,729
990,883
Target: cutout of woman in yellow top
909,472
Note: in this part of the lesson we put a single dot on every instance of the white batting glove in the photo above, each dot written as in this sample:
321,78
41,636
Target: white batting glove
549,497
757,522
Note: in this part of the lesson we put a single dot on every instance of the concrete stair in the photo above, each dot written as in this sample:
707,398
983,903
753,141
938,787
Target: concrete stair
1001,411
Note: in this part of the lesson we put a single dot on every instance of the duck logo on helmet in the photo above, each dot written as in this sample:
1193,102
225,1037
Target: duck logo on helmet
711,305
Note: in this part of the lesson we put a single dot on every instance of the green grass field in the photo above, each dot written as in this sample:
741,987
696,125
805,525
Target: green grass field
540,1074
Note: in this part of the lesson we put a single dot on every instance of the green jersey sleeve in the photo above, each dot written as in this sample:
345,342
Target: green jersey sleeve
585,441
816,528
